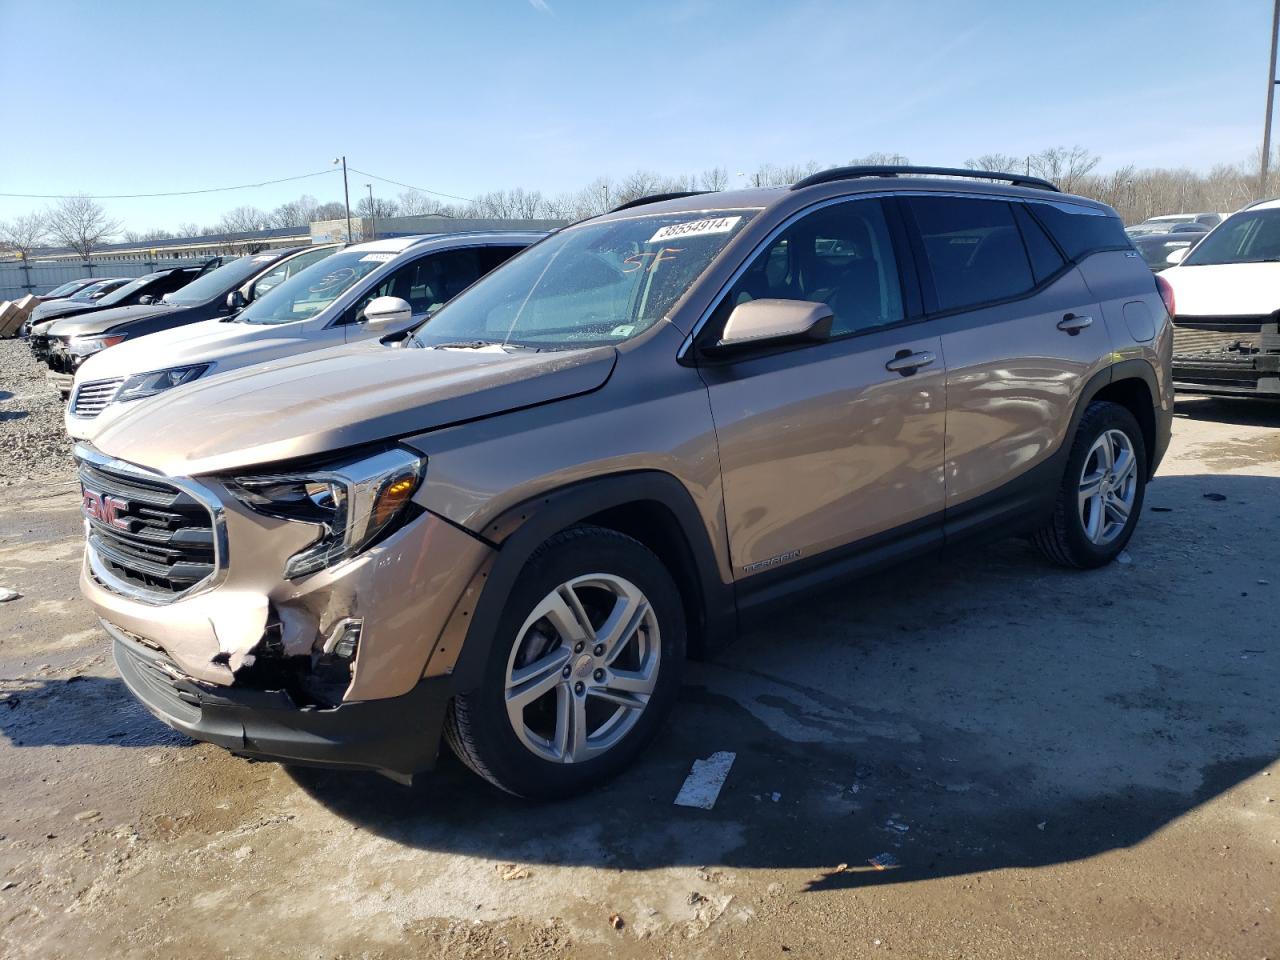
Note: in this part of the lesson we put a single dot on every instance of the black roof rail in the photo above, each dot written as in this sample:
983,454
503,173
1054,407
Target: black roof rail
657,198
853,173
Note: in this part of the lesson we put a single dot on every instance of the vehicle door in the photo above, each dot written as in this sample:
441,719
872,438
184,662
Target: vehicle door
1021,331
427,282
837,441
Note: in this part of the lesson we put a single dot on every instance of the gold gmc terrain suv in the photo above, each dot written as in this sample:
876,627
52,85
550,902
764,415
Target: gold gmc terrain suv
511,526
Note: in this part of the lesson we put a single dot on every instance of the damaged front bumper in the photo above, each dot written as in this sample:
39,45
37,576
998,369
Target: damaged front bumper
1227,356
397,737
343,667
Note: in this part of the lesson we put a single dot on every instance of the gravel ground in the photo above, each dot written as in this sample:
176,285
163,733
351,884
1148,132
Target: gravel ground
31,433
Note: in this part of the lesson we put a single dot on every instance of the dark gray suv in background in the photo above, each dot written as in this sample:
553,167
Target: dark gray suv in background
513,525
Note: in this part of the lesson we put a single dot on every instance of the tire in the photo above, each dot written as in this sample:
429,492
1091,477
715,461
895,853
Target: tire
1072,537
610,575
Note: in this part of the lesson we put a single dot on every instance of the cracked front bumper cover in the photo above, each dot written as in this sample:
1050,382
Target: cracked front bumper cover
396,736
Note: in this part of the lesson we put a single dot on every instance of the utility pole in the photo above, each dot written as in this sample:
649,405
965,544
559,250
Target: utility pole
346,192
1271,92
373,213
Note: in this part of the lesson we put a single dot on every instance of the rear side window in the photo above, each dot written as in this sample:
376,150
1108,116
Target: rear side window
1081,231
491,257
973,250
1045,258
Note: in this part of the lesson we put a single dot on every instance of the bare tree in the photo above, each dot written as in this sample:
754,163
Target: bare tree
1064,166
381,207
414,203
244,220
81,224
143,236
998,163
294,213
23,234
880,159
714,178
333,210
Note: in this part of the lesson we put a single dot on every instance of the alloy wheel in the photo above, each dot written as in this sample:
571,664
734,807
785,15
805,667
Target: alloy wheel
583,668
1108,487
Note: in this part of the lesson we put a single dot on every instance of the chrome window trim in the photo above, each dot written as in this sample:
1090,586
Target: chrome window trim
199,492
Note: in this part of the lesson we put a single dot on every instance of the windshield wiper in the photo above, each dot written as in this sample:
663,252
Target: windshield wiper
462,344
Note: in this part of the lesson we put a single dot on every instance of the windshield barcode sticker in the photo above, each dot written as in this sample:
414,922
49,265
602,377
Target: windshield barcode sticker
695,228
377,258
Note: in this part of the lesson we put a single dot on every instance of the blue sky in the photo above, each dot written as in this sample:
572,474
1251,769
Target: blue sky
464,97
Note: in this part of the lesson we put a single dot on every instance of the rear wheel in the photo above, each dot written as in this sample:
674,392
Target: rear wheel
1102,491
584,669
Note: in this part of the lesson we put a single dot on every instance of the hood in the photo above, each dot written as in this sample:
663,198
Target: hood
60,308
1225,289
207,341
328,400
103,320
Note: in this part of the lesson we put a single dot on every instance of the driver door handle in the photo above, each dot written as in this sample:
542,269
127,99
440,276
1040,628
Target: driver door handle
906,363
1073,323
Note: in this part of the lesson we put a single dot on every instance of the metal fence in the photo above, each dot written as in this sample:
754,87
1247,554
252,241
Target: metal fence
19,278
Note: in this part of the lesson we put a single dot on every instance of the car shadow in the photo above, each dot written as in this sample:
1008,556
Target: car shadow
1244,413
91,710
986,712
13,415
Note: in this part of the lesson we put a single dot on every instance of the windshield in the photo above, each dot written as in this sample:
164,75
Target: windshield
220,282
599,283
87,292
309,291
1251,237
128,290
65,289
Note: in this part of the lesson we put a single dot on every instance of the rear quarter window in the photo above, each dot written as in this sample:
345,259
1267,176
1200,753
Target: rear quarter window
1081,231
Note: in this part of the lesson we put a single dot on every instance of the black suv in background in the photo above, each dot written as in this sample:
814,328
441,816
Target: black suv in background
144,290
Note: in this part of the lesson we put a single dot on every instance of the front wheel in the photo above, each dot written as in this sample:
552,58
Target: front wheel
1102,491
583,671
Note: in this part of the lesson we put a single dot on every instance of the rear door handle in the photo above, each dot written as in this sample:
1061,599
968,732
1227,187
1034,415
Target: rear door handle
906,363
1073,323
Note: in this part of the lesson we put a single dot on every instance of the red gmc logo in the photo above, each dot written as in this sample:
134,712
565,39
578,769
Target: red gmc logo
108,510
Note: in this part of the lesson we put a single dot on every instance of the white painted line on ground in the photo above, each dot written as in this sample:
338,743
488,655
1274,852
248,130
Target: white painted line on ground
702,786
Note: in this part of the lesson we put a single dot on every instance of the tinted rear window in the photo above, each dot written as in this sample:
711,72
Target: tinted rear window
1045,258
974,251
1081,231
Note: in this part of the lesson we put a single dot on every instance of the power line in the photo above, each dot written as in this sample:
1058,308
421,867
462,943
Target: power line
172,193
410,186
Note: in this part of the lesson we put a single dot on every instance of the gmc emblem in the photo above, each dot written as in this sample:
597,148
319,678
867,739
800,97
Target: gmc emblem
108,510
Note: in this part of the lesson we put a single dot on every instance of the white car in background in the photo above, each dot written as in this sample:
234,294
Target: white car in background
1226,339
367,290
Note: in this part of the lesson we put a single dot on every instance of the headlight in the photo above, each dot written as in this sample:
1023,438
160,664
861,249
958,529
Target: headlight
157,381
87,346
353,504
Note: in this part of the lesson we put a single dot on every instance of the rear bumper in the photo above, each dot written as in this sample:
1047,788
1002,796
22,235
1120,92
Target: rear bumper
397,736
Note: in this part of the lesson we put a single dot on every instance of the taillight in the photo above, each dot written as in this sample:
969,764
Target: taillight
1166,294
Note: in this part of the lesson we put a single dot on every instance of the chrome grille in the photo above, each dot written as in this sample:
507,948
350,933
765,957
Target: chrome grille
147,536
90,398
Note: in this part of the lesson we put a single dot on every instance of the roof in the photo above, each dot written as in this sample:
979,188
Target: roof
400,244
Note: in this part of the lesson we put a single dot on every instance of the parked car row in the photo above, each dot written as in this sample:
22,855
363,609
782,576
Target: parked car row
376,510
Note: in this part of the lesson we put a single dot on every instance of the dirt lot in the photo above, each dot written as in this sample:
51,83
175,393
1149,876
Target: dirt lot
1065,765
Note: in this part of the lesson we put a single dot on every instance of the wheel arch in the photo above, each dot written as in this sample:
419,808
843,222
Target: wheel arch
653,507
1132,384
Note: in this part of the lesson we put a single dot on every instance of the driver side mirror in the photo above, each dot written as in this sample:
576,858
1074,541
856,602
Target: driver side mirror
1178,255
236,300
146,299
767,321
385,311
